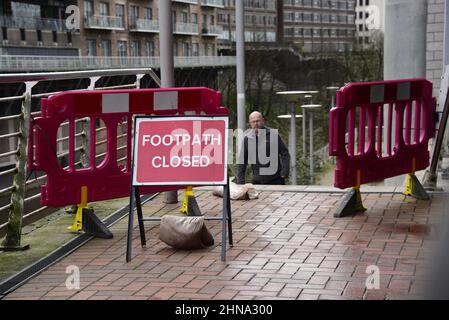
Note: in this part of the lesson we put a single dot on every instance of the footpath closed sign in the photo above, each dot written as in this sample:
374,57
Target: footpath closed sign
180,151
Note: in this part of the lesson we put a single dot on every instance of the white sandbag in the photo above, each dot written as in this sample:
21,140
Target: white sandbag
181,232
238,191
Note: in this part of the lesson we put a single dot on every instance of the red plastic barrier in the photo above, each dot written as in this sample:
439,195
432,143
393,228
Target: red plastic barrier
106,180
358,120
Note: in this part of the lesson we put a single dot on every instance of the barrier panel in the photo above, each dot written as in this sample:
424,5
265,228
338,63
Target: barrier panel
106,180
379,130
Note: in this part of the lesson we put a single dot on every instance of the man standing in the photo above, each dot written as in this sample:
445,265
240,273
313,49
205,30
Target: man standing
264,149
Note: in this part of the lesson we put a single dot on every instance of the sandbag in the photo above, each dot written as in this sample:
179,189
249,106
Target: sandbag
238,191
187,233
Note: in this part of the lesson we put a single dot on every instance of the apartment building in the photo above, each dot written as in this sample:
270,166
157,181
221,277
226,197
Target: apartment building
107,28
319,25
130,28
260,22
370,20
37,28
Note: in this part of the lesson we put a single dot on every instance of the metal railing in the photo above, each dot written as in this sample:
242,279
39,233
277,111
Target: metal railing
145,25
103,22
212,30
24,194
187,1
9,63
185,28
34,23
213,3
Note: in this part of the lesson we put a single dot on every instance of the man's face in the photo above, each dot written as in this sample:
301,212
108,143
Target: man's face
256,121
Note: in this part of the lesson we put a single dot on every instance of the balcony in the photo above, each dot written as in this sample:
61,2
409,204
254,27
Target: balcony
103,22
145,25
187,1
33,23
185,28
212,3
59,63
213,31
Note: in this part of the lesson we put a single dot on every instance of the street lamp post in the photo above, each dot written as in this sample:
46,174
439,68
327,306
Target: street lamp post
292,142
293,97
310,108
332,89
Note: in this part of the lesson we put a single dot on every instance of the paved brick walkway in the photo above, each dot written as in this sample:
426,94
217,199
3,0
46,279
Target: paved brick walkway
287,245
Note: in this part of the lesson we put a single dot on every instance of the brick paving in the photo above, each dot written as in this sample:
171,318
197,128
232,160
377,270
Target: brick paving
287,245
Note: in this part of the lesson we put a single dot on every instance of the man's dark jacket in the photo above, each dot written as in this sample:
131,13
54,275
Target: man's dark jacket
282,153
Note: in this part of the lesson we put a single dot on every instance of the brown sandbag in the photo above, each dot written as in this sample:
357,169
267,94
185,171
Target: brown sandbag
185,233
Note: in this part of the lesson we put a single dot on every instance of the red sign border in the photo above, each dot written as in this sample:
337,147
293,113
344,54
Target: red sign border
139,119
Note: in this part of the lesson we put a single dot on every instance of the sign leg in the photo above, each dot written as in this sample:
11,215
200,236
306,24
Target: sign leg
228,212
223,224
130,225
143,240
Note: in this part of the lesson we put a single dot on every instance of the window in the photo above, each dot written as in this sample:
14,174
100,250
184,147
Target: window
135,48
104,9
120,15
195,49
91,47
106,47
39,35
104,14
367,2
4,33
150,48
22,35
133,15
185,49
204,21
121,48
194,18
54,36
148,13
360,15
184,17
88,8
206,49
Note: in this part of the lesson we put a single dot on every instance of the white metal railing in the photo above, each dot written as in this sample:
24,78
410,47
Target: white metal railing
58,63
13,143
185,28
103,22
33,23
145,25
213,3
187,1
212,30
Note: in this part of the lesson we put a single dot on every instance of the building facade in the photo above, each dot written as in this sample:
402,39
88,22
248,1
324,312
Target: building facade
37,28
125,28
370,20
319,25
316,25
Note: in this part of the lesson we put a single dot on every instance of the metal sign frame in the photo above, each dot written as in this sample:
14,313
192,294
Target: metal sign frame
135,201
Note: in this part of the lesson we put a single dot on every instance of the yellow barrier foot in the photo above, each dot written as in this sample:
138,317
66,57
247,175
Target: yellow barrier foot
77,225
351,204
415,189
185,203
189,205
